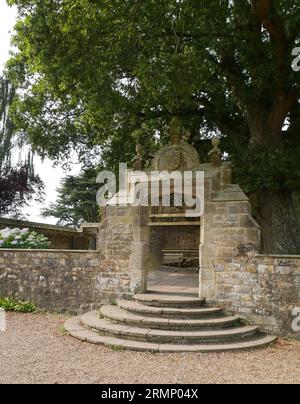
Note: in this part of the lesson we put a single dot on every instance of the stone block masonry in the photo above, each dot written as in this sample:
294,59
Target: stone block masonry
124,241
77,281
263,289
60,281
226,224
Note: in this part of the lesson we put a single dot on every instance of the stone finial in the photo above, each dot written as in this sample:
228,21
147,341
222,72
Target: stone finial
175,131
139,150
138,159
215,154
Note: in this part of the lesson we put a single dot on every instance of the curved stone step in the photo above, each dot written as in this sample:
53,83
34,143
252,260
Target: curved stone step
192,313
167,301
104,327
116,314
76,330
262,342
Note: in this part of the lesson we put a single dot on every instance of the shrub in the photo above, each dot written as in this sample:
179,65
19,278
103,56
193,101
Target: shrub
11,304
22,239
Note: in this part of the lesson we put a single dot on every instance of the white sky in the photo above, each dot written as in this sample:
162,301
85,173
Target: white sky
50,175
7,21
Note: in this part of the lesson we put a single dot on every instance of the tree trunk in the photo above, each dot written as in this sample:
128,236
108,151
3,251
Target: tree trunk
277,214
280,226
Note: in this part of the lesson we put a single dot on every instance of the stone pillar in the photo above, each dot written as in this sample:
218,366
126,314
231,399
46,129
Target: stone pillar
114,243
140,252
123,242
227,225
207,255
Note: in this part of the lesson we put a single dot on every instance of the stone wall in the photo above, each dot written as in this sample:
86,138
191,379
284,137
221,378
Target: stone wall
61,281
76,281
263,289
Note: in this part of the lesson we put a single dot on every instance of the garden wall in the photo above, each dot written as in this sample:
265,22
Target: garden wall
61,281
78,281
60,237
263,289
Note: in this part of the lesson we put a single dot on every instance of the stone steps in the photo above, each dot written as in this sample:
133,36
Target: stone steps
118,315
76,330
144,310
167,301
166,323
104,327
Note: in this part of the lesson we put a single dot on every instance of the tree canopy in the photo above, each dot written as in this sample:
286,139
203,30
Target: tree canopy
94,71
108,72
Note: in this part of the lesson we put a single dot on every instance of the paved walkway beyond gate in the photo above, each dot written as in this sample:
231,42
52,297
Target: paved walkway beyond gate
174,281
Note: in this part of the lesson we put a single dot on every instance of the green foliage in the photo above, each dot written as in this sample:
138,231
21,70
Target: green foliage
62,330
11,304
260,167
108,72
76,201
117,348
23,239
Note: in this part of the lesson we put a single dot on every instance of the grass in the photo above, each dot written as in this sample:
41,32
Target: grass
117,348
62,330
243,321
11,304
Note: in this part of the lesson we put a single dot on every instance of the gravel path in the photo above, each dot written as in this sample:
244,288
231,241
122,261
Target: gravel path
34,350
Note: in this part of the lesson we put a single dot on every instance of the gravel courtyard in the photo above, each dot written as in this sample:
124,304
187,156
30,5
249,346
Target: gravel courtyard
35,350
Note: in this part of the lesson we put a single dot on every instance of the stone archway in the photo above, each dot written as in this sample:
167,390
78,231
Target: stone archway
226,222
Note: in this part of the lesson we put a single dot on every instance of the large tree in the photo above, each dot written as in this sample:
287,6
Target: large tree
18,186
76,202
105,72
18,182
7,93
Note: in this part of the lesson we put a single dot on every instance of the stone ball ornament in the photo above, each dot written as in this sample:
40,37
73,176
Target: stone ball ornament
216,141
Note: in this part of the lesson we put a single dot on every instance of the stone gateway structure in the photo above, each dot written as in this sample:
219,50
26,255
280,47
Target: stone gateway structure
236,282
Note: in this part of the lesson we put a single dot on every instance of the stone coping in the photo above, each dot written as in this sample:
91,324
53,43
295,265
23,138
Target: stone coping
49,251
278,256
35,225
